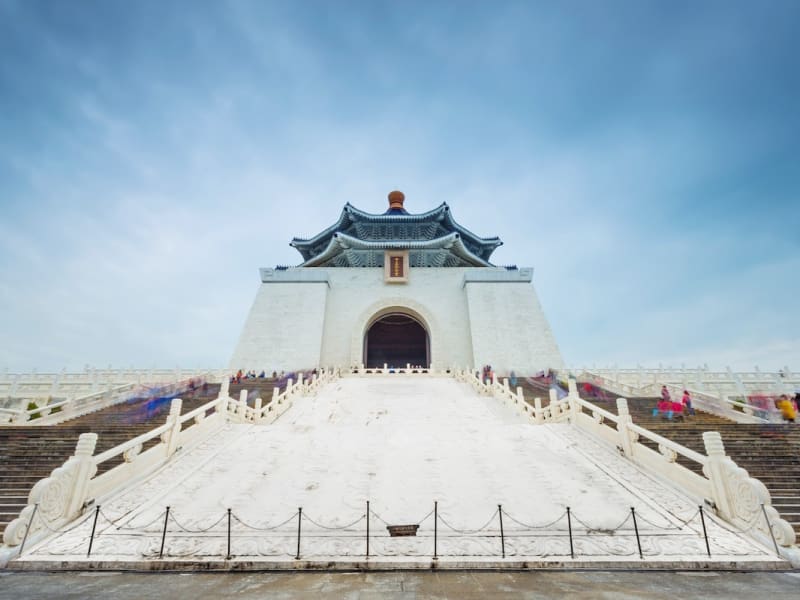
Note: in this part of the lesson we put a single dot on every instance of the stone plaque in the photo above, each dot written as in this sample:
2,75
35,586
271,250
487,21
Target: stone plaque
402,530
395,266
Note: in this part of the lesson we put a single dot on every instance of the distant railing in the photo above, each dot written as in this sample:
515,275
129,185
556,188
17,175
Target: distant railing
50,413
721,404
702,379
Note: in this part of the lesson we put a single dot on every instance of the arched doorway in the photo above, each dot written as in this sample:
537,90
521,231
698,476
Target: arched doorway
396,339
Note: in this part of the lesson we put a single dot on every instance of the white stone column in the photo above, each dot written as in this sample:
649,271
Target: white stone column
257,416
625,434
174,420
538,411
84,469
716,470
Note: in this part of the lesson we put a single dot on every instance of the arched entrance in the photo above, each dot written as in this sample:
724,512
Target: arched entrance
396,339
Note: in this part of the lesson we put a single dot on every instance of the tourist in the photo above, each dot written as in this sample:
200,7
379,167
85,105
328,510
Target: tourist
677,409
663,408
687,403
787,410
665,394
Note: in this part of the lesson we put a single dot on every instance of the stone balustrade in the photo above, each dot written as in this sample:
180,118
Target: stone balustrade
37,386
741,500
46,411
718,403
71,488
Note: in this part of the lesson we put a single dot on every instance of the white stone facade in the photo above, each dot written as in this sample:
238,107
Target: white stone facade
306,317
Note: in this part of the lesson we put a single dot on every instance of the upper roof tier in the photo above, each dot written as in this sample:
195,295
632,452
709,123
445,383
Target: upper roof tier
359,239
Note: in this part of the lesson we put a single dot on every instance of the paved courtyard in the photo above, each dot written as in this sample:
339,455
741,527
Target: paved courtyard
594,585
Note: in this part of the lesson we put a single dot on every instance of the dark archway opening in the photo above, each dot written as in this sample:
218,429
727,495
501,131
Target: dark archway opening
396,340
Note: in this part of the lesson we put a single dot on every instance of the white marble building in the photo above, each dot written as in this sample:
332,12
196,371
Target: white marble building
397,288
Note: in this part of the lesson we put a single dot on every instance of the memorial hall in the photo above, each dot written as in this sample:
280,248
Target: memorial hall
396,401
397,289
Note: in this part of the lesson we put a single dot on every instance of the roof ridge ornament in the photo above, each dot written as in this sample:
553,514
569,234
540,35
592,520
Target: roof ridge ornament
396,199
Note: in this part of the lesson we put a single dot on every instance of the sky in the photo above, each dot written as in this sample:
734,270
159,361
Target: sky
643,157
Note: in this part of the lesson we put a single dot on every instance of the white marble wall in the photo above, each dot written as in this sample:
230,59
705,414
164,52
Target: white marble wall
307,317
509,329
283,331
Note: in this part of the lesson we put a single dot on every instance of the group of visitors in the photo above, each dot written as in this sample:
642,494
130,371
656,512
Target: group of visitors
668,408
487,375
241,375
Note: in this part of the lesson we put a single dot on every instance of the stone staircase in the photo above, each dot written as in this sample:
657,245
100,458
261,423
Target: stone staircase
769,452
256,388
30,453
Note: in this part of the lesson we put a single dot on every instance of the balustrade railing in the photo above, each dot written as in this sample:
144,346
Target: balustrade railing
65,494
735,496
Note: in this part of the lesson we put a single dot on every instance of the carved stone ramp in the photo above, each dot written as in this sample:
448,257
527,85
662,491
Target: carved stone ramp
487,489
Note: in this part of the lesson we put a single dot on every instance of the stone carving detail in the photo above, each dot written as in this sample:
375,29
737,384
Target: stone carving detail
739,497
668,453
52,494
598,418
747,495
131,453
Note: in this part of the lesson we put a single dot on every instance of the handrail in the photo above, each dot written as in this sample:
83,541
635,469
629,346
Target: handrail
140,439
200,410
596,409
682,450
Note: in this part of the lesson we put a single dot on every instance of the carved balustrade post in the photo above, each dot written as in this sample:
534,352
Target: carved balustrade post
174,420
626,436
554,408
224,391
572,398
716,469
538,411
257,414
84,469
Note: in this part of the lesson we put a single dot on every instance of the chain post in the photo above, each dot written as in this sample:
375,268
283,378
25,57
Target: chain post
705,533
299,521
228,557
502,535
636,530
28,529
435,529
569,528
164,534
94,527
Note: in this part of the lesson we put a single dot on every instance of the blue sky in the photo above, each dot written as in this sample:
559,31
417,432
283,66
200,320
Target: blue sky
643,157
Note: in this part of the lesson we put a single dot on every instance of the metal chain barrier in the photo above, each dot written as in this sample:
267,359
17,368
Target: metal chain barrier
202,530
268,527
351,530
468,531
125,527
526,526
334,528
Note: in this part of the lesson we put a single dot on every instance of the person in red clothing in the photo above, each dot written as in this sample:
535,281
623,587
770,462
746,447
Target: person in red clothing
677,409
687,403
